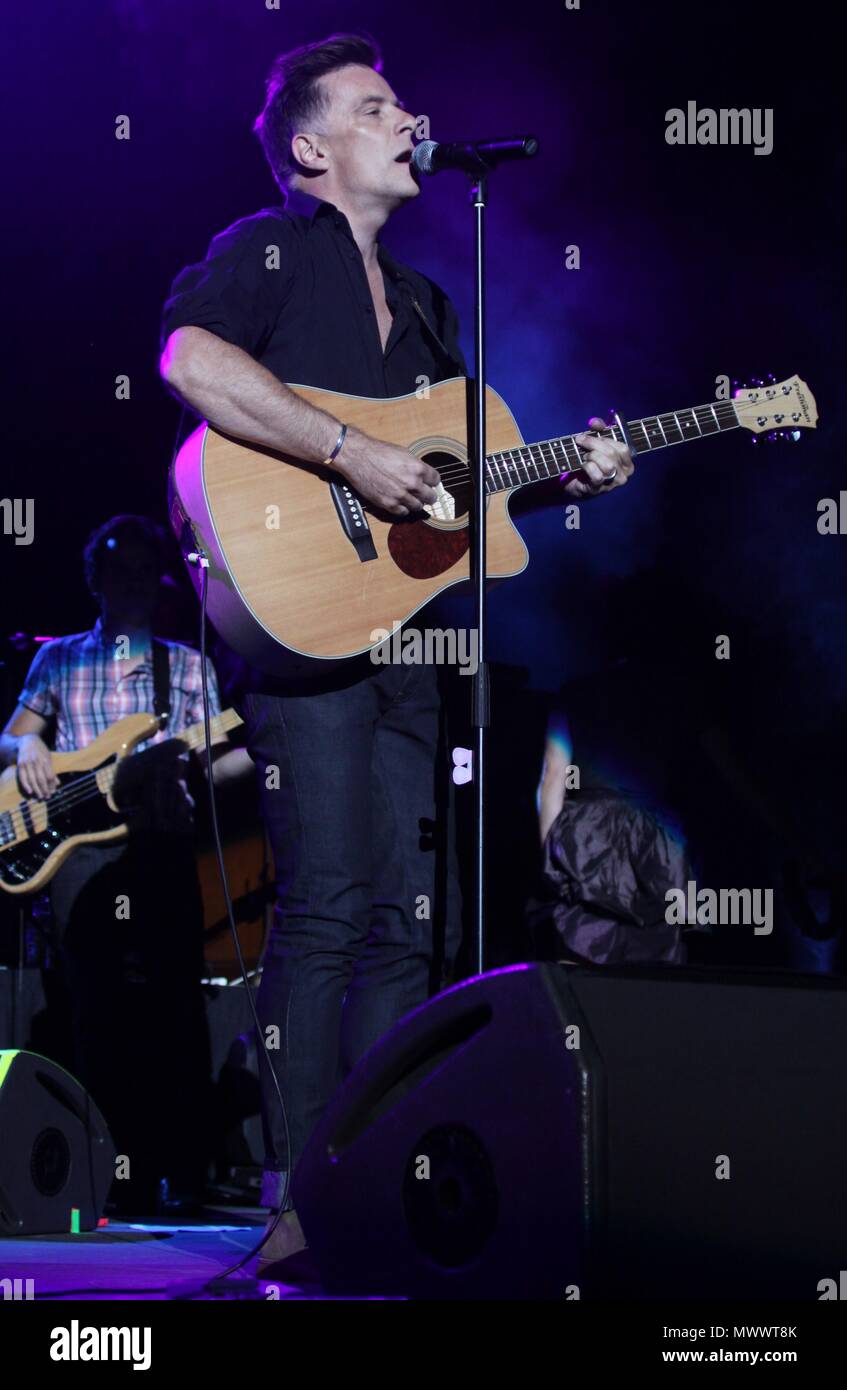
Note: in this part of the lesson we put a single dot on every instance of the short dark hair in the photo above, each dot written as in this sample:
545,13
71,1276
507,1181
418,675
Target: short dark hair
110,535
295,95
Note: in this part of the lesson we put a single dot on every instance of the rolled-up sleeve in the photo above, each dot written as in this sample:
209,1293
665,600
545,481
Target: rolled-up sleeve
40,692
240,288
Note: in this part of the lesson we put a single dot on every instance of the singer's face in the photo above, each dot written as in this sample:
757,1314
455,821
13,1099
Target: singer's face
368,136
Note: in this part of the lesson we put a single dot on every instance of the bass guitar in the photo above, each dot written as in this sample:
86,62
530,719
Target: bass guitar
37,836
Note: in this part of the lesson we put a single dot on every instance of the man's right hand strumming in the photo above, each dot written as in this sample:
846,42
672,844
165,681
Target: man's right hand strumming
386,474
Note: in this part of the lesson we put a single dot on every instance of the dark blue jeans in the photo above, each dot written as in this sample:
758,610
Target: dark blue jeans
355,791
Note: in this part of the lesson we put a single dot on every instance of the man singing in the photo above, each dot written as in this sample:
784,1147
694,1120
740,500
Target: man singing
309,294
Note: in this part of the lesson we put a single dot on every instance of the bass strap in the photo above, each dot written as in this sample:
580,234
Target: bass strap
161,678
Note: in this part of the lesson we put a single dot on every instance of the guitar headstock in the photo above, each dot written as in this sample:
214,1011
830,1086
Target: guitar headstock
782,406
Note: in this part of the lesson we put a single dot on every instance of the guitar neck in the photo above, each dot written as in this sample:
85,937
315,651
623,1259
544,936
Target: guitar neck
551,458
193,738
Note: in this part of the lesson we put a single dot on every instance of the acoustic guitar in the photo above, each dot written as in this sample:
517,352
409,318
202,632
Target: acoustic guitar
303,573
37,836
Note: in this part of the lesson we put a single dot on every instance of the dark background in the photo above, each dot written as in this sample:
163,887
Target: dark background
695,262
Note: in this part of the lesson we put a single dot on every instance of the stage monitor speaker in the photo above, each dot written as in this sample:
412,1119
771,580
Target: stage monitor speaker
56,1151
561,1133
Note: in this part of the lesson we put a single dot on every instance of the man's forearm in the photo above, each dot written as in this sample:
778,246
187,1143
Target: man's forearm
239,396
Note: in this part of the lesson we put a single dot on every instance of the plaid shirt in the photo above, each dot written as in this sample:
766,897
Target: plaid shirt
80,681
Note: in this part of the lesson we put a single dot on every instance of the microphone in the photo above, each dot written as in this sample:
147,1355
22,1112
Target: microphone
430,157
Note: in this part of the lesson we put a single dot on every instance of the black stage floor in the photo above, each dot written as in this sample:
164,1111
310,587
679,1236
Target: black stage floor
145,1260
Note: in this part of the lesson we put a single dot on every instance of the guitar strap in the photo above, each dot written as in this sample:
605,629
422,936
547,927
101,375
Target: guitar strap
406,287
161,678
454,362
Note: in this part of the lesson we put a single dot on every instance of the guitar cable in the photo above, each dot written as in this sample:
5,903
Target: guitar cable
220,1283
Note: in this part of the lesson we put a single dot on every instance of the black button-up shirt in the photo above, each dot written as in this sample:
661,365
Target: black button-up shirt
291,289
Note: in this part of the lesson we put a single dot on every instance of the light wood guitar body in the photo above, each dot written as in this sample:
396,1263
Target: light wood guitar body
287,588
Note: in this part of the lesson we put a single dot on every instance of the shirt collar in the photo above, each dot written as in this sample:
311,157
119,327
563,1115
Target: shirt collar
321,209
307,205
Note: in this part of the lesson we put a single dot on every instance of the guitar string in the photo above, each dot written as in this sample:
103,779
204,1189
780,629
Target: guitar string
458,475
460,472
725,410
81,789
75,792
509,467
65,798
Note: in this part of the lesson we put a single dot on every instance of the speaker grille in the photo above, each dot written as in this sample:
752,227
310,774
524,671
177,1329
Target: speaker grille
452,1213
50,1163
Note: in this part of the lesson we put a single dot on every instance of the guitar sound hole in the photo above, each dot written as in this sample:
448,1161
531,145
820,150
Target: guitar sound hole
454,476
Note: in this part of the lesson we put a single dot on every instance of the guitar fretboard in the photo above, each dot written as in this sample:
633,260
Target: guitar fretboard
530,463
193,738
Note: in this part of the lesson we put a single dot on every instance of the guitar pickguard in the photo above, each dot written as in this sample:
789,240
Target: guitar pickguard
423,551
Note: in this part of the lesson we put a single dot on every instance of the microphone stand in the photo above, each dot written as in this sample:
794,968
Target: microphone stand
478,161
481,689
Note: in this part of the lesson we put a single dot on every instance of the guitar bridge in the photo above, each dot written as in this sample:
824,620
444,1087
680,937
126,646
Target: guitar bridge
351,514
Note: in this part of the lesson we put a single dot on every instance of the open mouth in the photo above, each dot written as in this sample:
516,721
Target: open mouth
404,158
